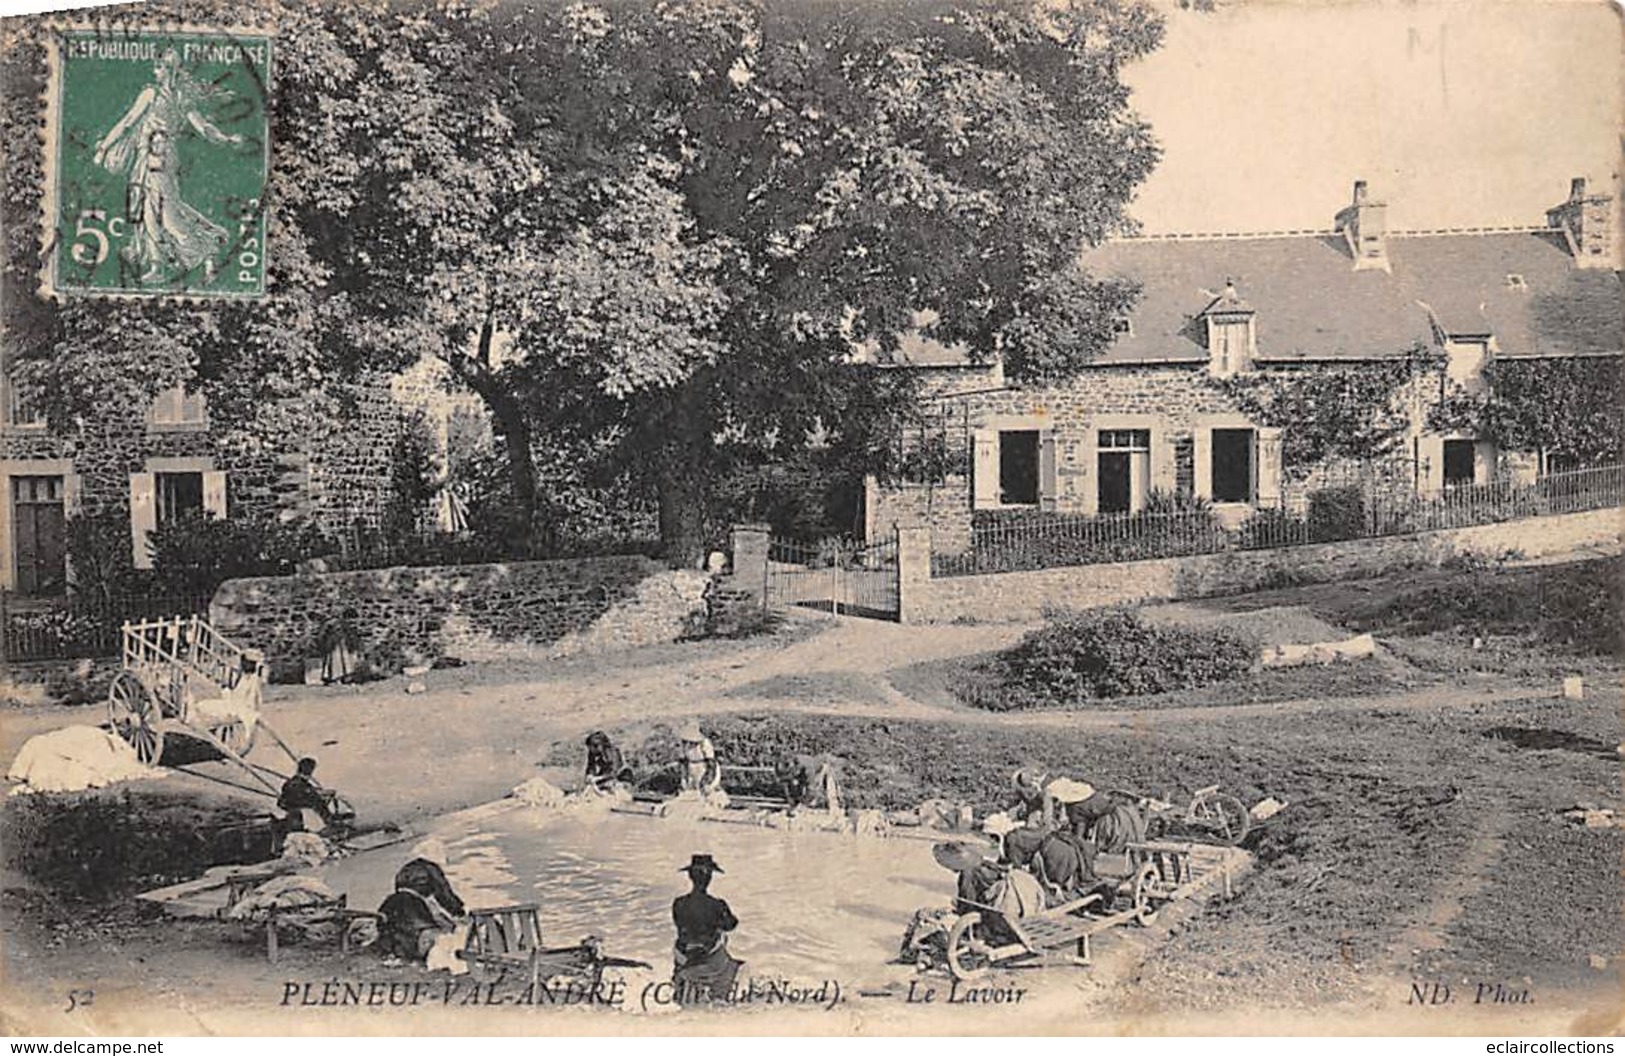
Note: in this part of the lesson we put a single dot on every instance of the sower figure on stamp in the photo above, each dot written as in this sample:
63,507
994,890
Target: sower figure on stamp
171,237
704,970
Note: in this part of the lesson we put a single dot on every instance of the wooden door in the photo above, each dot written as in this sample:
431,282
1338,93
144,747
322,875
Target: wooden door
38,517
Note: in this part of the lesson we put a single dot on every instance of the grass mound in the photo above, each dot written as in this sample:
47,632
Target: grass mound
1577,608
1106,654
106,843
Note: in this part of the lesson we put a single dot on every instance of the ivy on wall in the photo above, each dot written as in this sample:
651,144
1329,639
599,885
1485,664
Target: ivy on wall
1354,411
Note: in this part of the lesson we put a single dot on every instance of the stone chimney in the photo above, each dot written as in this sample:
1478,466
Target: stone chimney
1364,225
1586,221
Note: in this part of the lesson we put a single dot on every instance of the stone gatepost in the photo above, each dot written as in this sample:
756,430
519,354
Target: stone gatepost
913,573
749,542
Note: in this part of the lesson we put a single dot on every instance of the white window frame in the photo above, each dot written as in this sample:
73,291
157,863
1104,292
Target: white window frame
177,411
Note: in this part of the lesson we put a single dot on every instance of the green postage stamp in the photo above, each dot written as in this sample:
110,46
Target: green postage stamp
156,160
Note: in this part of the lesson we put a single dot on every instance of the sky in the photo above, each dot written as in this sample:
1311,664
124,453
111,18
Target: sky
1465,113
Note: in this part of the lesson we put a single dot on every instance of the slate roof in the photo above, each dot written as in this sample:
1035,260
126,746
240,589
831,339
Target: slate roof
1311,304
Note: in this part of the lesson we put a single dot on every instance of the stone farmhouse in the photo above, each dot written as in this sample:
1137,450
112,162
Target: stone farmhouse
155,468
1149,415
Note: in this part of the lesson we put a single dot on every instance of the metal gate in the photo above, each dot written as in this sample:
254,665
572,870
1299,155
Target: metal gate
839,576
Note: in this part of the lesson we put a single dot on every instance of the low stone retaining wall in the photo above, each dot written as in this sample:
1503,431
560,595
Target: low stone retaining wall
473,612
56,681
1012,596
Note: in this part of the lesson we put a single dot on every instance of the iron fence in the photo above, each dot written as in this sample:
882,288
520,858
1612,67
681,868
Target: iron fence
79,627
1014,541
841,576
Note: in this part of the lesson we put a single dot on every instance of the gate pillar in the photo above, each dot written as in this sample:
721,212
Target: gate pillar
749,543
913,572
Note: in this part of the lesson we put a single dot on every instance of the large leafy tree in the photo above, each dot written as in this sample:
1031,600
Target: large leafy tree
667,226
1563,408
655,232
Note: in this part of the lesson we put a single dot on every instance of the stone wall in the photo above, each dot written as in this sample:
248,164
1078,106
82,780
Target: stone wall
944,508
473,612
56,682
1021,596
1175,403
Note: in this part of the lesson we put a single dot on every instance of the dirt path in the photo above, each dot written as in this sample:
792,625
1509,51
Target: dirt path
479,740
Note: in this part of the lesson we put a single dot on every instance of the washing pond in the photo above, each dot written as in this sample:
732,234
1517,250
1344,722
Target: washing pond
811,905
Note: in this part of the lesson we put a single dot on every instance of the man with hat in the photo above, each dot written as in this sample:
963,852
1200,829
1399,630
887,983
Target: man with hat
704,970
701,771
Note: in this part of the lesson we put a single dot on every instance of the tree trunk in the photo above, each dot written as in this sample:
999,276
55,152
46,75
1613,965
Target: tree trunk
515,432
513,427
680,489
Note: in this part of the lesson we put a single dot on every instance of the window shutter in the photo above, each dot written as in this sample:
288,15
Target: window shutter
1162,462
214,494
1048,479
985,470
143,516
1431,454
72,494
1268,480
1484,462
1202,457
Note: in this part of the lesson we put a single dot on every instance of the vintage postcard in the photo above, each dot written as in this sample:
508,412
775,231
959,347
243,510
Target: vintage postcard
876,517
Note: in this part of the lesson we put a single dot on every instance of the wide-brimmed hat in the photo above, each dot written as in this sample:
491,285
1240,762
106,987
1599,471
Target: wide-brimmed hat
957,856
1066,790
690,731
701,863
1000,824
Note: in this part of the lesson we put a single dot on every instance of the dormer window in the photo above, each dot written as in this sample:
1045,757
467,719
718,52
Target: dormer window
1515,282
1123,326
1231,340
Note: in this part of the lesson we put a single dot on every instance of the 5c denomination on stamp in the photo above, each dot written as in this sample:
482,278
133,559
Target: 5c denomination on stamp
157,152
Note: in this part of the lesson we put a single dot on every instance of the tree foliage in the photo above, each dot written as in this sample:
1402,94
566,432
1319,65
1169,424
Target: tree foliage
655,232
1567,408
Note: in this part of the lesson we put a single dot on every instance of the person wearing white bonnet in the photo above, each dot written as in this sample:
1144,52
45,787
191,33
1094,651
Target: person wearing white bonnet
1030,802
701,771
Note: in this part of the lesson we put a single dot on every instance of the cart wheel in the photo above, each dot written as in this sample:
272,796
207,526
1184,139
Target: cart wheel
238,736
967,959
1146,883
135,717
1222,815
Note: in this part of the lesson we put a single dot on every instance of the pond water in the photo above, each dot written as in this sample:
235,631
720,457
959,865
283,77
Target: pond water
811,905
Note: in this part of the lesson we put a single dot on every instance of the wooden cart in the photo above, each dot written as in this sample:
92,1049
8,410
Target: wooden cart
1151,875
181,676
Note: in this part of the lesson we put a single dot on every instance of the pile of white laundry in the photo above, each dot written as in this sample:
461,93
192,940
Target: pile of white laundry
73,759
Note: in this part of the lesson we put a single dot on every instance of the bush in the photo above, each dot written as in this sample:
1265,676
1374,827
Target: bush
1272,527
1111,653
1337,513
194,554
